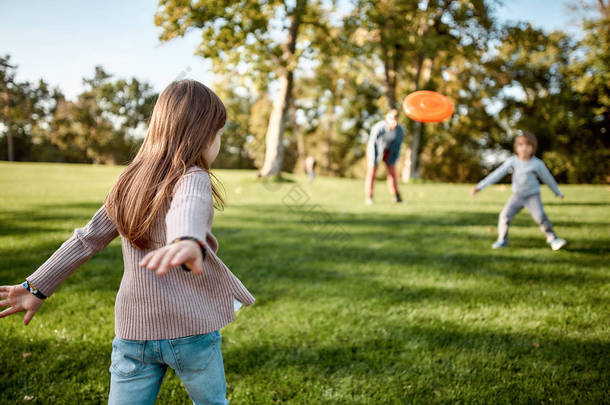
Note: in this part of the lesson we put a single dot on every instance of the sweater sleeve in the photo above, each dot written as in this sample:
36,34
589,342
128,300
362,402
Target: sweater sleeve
191,208
547,178
496,175
84,243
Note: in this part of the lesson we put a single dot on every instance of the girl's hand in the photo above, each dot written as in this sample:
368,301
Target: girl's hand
474,191
18,299
186,251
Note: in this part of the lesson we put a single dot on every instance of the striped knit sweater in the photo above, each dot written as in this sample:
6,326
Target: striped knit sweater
149,307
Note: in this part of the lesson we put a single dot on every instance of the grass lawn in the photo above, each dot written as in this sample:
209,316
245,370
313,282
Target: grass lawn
355,304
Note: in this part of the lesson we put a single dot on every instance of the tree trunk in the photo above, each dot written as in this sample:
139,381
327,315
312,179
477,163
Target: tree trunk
411,167
604,9
389,66
329,127
302,153
9,136
274,152
422,75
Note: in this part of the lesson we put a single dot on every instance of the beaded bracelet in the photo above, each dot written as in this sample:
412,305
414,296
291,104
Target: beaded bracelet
200,243
33,290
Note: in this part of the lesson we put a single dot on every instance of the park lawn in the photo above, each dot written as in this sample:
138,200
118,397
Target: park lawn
355,304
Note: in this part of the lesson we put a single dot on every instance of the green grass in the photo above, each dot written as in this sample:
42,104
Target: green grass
355,304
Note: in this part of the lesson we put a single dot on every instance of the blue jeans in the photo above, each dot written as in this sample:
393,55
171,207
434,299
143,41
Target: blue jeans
138,368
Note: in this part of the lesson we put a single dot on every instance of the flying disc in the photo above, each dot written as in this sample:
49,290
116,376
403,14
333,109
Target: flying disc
427,106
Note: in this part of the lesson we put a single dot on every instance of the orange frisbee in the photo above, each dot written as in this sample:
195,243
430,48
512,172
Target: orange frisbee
427,106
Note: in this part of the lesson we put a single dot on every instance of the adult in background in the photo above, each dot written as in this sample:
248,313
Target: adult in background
310,167
384,144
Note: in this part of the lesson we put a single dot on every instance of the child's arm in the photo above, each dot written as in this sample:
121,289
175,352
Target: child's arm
494,176
547,178
188,216
83,244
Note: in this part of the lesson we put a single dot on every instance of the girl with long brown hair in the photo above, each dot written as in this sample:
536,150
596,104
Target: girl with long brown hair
176,293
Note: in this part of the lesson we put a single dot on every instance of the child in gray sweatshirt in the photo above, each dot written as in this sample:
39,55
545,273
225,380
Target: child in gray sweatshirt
527,172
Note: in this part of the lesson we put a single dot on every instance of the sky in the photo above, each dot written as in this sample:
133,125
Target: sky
62,41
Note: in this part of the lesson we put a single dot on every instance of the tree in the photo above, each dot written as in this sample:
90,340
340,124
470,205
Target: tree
238,100
243,36
24,111
563,97
98,126
591,83
338,98
414,41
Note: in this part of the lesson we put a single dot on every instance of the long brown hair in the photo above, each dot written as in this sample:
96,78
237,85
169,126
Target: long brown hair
184,123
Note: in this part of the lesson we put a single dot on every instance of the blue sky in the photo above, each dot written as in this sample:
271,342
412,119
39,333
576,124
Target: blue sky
61,41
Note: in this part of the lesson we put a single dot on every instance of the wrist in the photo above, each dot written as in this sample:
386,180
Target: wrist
198,242
33,290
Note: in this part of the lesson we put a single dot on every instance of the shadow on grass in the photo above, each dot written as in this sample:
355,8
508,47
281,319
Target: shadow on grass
44,218
398,337
578,204
518,365
521,367
16,263
295,244
55,371
402,239
286,253
595,250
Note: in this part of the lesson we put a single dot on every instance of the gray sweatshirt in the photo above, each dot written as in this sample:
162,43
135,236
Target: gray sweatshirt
526,176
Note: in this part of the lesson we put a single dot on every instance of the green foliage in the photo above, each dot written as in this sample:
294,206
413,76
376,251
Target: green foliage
234,145
414,306
239,35
564,97
434,45
244,35
337,100
345,64
232,32
24,110
96,128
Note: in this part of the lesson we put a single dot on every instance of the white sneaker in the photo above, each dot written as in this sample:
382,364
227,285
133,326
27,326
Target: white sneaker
557,243
499,244
368,201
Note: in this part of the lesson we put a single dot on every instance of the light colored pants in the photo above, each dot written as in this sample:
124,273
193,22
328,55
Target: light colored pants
533,204
138,368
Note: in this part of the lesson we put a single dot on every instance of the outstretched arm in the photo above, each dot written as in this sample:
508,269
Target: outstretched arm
547,178
494,176
84,243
